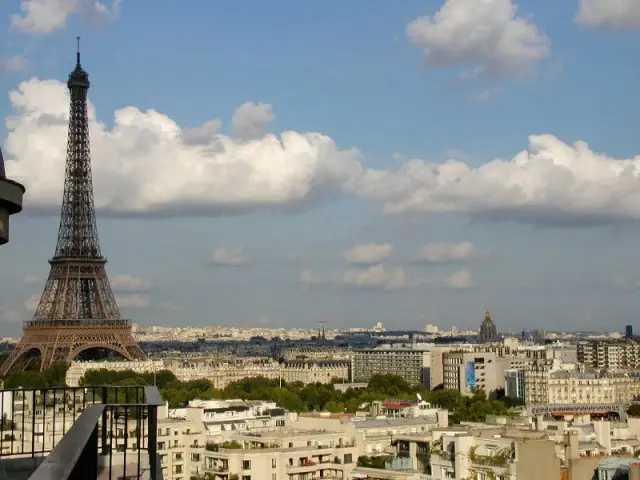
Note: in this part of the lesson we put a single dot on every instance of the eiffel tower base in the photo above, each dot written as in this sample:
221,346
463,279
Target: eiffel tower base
64,344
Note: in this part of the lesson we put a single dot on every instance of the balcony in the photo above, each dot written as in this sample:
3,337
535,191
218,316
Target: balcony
80,433
10,201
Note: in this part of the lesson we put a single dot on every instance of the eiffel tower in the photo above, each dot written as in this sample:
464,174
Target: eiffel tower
77,314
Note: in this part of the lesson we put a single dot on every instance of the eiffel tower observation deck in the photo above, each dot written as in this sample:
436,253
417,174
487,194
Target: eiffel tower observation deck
77,315
10,201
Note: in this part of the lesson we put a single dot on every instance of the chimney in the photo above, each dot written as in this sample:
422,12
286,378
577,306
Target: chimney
572,446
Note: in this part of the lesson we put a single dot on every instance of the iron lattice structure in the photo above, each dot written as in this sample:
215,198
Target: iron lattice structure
77,311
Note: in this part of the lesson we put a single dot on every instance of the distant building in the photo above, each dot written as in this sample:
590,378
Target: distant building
514,383
411,364
610,355
488,331
628,332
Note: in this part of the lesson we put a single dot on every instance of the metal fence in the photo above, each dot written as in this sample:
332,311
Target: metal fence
82,431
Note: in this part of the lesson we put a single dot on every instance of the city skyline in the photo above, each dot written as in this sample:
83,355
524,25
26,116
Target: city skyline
214,193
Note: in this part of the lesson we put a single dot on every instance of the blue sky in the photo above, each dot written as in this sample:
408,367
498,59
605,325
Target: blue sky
550,244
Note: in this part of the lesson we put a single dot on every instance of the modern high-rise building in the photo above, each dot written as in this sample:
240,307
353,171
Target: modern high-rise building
410,364
628,332
611,355
514,384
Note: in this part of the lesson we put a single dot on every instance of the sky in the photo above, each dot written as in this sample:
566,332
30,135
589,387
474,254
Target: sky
280,163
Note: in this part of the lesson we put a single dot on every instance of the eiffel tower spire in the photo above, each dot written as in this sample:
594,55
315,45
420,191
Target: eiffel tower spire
77,311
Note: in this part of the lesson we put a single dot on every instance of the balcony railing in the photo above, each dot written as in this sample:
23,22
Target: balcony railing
80,433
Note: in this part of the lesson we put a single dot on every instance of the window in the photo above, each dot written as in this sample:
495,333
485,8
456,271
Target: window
246,464
195,457
273,463
348,458
274,476
246,477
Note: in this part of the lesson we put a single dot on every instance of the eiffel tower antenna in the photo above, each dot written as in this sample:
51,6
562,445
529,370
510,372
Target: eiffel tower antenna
77,314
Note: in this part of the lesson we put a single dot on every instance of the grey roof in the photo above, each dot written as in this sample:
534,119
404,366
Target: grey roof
396,422
613,463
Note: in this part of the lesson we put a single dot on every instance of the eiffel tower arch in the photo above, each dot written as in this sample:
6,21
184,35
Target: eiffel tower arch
77,311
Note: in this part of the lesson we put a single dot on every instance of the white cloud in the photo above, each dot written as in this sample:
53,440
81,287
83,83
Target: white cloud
31,303
131,291
230,256
42,17
368,254
130,284
250,120
148,165
609,14
486,95
487,36
460,280
308,278
134,300
442,252
12,64
378,277
552,183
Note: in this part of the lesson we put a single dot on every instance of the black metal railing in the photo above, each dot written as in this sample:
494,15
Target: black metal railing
82,431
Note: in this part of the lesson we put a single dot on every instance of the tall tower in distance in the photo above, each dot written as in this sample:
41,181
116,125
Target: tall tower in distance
77,315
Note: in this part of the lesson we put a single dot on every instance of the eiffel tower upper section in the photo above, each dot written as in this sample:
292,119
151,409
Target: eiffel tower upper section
78,290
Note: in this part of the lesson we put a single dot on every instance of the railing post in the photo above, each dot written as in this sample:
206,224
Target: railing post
152,446
103,431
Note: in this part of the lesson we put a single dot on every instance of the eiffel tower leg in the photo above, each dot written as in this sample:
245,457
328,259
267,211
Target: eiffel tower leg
19,358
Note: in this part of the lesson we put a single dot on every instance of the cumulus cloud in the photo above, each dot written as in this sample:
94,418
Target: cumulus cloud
12,64
378,277
148,165
488,37
130,284
551,183
31,303
609,14
460,280
230,257
385,277
250,120
368,254
442,252
134,300
42,17
131,291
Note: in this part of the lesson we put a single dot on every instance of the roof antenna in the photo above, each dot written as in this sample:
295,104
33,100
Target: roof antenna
78,54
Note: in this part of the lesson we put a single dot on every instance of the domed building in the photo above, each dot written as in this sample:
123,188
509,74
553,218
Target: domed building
488,332
10,201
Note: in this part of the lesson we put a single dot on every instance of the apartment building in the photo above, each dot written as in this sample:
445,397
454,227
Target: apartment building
315,371
580,387
225,418
466,371
411,364
612,355
315,353
291,455
180,447
514,383
77,369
